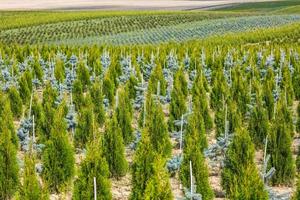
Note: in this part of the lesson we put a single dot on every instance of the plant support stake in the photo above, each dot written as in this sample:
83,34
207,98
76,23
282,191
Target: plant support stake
95,189
191,176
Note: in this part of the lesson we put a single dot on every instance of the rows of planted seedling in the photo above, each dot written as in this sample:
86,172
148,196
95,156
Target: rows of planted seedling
141,29
187,31
70,116
99,27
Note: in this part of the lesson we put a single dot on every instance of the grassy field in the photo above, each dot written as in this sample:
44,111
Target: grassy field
18,19
262,6
289,9
187,31
49,27
124,28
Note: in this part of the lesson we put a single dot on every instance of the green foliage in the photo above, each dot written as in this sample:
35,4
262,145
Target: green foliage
37,71
58,156
240,177
218,93
109,87
192,151
31,189
279,148
262,6
49,95
25,86
15,102
39,116
298,119
78,94
158,130
7,119
114,149
196,127
220,122
298,160
86,126
287,114
287,85
83,74
178,99
124,115
94,165
200,101
70,25
155,77
142,167
258,124
130,86
97,99
240,90
158,186
268,87
59,71
297,193
234,117
8,159
47,114
296,78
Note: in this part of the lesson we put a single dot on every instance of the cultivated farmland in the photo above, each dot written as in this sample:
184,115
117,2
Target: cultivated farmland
154,105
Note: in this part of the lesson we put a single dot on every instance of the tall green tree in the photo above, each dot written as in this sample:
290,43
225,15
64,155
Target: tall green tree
114,149
268,88
25,86
124,115
39,116
8,159
196,127
298,119
158,186
158,130
178,99
85,127
7,118
279,148
234,117
49,107
109,86
287,85
296,78
193,152
219,90
258,123
130,86
240,90
15,102
155,77
240,177
37,71
200,101
93,165
83,75
31,189
297,193
220,121
142,167
298,160
58,156
97,99
78,94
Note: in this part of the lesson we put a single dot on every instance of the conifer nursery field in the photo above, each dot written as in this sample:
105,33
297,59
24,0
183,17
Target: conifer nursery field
151,105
